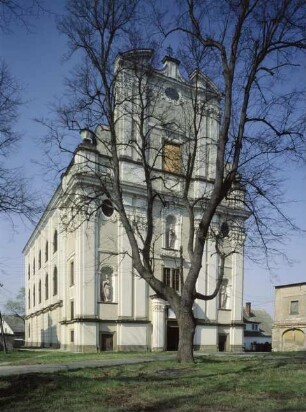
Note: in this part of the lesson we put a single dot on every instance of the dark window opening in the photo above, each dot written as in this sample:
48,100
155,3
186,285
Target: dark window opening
55,242
47,287
55,281
71,309
47,252
72,273
107,208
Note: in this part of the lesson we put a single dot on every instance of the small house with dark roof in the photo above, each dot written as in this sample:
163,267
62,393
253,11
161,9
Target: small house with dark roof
257,329
13,328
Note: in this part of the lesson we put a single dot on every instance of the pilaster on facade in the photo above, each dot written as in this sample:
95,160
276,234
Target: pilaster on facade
158,323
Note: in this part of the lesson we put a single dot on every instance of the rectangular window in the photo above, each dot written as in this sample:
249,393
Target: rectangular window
72,336
172,157
176,279
254,327
294,307
172,278
167,277
72,273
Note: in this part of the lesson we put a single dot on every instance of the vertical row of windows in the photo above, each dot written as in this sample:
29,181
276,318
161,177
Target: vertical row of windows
54,279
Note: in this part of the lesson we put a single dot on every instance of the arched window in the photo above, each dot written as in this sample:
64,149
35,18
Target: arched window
55,241
72,273
47,252
47,287
29,271
55,281
33,295
107,208
34,266
39,259
171,236
106,287
39,291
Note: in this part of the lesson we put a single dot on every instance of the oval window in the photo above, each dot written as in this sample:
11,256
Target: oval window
172,93
107,208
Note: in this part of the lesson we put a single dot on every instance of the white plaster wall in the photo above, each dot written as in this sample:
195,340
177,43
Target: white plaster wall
237,288
132,335
205,335
125,276
86,334
236,336
140,298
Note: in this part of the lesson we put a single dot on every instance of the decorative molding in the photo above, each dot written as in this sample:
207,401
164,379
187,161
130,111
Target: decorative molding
45,309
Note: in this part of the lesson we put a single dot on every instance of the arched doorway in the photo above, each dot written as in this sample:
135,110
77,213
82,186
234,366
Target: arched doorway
293,339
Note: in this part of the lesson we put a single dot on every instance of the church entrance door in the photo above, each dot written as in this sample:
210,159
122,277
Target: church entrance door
172,335
106,342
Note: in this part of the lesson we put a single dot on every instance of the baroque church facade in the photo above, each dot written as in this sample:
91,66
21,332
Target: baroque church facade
82,292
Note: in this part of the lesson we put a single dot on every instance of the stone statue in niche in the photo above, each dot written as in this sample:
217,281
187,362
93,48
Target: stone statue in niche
106,290
171,237
224,296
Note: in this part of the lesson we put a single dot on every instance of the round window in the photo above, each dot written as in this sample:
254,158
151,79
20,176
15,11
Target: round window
107,208
172,93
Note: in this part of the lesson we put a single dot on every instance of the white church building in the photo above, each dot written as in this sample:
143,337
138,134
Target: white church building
82,292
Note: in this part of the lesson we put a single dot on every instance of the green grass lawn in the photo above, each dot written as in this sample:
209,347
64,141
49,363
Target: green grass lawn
228,383
40,356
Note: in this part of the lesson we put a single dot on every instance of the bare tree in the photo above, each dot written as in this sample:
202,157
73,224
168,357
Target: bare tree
251,52
18,11
250,43
15,197
16,306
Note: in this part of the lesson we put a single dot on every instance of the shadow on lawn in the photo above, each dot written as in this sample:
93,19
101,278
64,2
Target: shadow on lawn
117,387
31,393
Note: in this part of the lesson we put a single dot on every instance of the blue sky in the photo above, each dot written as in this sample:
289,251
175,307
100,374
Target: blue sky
35,58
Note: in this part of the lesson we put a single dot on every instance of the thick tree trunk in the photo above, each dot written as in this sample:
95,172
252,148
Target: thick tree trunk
186,325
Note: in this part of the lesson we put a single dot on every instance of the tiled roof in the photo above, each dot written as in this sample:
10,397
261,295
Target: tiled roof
263,318
14,322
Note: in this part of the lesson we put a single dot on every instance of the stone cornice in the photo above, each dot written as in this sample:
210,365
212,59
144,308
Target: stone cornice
46,309
96,319
288,324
